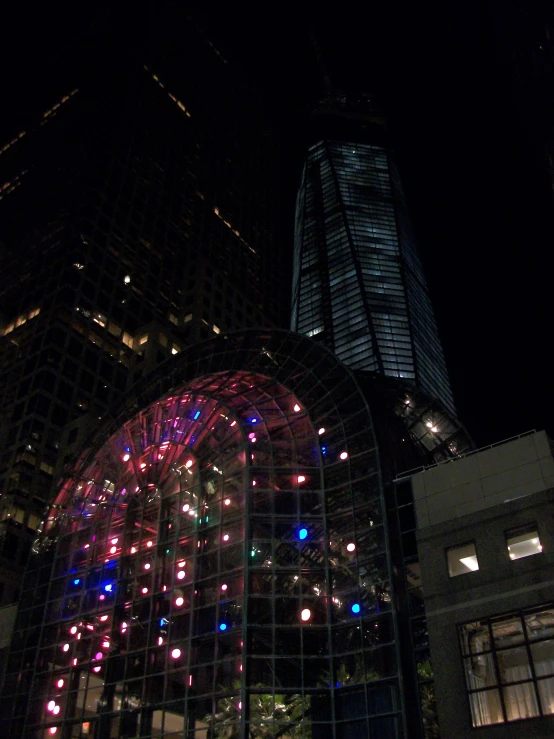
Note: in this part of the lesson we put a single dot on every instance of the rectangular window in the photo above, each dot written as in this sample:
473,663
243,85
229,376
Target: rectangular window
523,542
509,666
462,559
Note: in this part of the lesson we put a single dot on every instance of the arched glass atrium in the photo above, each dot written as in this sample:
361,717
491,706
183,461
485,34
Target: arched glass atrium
215,564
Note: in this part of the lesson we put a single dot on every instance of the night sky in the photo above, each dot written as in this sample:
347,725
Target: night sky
480,201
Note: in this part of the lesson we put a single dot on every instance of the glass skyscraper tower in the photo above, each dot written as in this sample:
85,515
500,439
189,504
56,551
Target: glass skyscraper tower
358,284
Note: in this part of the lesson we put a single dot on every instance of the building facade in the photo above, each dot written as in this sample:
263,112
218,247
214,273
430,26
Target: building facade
485,544
358,284
138,217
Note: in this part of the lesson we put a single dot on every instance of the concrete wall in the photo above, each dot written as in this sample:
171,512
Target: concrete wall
484,479
499,586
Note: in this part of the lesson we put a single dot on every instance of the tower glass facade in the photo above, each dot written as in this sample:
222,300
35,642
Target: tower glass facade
216,563
358,285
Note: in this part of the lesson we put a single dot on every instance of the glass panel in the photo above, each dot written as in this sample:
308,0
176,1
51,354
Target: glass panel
543,657
523,543
486,708
507,632
462,560
520,701
546,692
540,624
513,665
480,672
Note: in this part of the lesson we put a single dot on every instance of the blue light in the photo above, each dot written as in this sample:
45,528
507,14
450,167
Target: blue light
108,588
253,420
76,582
355,608
324,450
302,534
222,627
163,621
196,415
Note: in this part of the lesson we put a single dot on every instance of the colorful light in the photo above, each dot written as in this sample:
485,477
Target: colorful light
73,630
176,653
343,455
99,655
305,614
106,644
253,420
302,534
60,683
65,647
147,565
76,582
108,588
355,608
223,627
196,416
124,626
351,547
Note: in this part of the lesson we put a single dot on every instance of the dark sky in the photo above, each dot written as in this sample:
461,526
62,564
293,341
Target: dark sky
480,202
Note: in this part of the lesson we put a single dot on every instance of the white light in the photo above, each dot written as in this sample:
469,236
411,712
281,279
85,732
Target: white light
149,543
50,705
351,547
147,566
321,431
434,429
470,562
65,647
56,710
429,424
181,564
186,507
113,550
144,591
301,478
343,455
133,550
296,408
181,575
305,614
73,630
179,601
176,653
126,279
126,457
226,537
227,501
224,587
60,683
189,463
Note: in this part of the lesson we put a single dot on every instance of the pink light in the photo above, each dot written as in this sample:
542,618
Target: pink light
78,636
226,537
186,507
252,435
53,729
179,601
181,575
56,710
149,543
114,541
143,465
176,653
253,483
90,627
123,627
65,647
101,597
296,408
113,550
189,463
321,431
234,423
144,591
50,705
73,630
87,546
106,644
103,618
126,457
227,501
182,563
160,641
301,478
240,706
60,683
305,614
99,655
75,662
343,455
224,587
351,547
190,680
133,550
147,565
240,668
96,669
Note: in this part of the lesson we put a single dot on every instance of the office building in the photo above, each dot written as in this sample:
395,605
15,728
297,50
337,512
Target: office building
484,532
137,217
358,283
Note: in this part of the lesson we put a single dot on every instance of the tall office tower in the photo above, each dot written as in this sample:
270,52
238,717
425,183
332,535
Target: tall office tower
219,560
137,217
358,284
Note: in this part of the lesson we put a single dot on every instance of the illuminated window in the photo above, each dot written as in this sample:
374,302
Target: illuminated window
127,339
175,349
188,317
216,329
523,542
462,559
173,319
509,666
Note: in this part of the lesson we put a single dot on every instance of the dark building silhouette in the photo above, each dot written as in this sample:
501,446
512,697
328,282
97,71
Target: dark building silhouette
137,216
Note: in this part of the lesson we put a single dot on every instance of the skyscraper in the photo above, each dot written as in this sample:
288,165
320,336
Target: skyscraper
358,282
138,216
